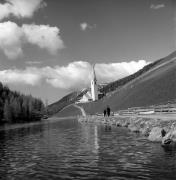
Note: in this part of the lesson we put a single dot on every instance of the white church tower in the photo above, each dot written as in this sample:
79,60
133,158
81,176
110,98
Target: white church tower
94,85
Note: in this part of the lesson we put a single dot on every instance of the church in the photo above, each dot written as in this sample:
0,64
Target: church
93,94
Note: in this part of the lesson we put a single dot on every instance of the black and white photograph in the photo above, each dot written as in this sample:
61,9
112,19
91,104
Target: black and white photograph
87,89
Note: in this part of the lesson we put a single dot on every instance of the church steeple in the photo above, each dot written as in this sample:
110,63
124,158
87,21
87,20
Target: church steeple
94,86
93,73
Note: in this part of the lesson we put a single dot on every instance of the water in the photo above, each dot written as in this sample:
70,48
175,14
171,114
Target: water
71,150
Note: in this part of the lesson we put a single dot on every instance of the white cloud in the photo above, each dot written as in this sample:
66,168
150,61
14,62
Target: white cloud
44,36
113,71
20,8
19,76
84,26
12,37
75,75
157,6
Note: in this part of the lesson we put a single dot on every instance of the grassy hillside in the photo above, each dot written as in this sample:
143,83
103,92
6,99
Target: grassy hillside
121,82
157,85
65,101
68,111
154,84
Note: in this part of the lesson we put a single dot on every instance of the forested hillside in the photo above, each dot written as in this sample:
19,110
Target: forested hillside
16,107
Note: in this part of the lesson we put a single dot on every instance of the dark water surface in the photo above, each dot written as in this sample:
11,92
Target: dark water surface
68,149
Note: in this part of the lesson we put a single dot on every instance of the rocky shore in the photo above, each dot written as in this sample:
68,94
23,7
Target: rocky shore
156,128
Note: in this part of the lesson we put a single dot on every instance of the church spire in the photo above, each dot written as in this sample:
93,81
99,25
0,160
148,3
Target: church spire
94,86
93,73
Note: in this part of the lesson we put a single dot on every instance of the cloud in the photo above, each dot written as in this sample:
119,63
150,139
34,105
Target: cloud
84,26
12,37
75,75
20,8
43,36
11,41
157,6
113,71
15,76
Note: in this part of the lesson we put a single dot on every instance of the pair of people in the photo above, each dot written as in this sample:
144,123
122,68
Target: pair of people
107,111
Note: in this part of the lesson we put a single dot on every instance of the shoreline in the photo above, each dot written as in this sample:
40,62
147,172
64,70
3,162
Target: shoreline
150,126
162,116
7,127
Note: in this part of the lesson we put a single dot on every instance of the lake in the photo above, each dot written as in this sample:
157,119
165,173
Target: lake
68,149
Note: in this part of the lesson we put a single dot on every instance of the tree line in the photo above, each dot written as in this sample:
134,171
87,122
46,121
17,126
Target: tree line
16,107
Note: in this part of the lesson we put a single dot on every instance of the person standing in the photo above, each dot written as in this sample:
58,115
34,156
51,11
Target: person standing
104,112
108,110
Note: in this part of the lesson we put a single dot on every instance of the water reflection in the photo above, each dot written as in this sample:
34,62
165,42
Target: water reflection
96,145
89,138
71,150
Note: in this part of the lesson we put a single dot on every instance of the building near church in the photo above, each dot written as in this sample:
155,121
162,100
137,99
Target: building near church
87,97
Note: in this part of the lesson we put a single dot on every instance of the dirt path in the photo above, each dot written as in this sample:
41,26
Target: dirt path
81,109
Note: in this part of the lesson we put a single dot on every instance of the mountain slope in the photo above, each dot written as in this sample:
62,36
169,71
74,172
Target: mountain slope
70,110
157,85
154,84
118,83
65,101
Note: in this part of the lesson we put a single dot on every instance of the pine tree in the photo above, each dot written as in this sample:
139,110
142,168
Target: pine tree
1,110
7,112
16,107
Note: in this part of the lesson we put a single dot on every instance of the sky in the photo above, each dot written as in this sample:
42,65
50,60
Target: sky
47,47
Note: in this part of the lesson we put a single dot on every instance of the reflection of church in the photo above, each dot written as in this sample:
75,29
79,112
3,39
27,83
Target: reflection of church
93,94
